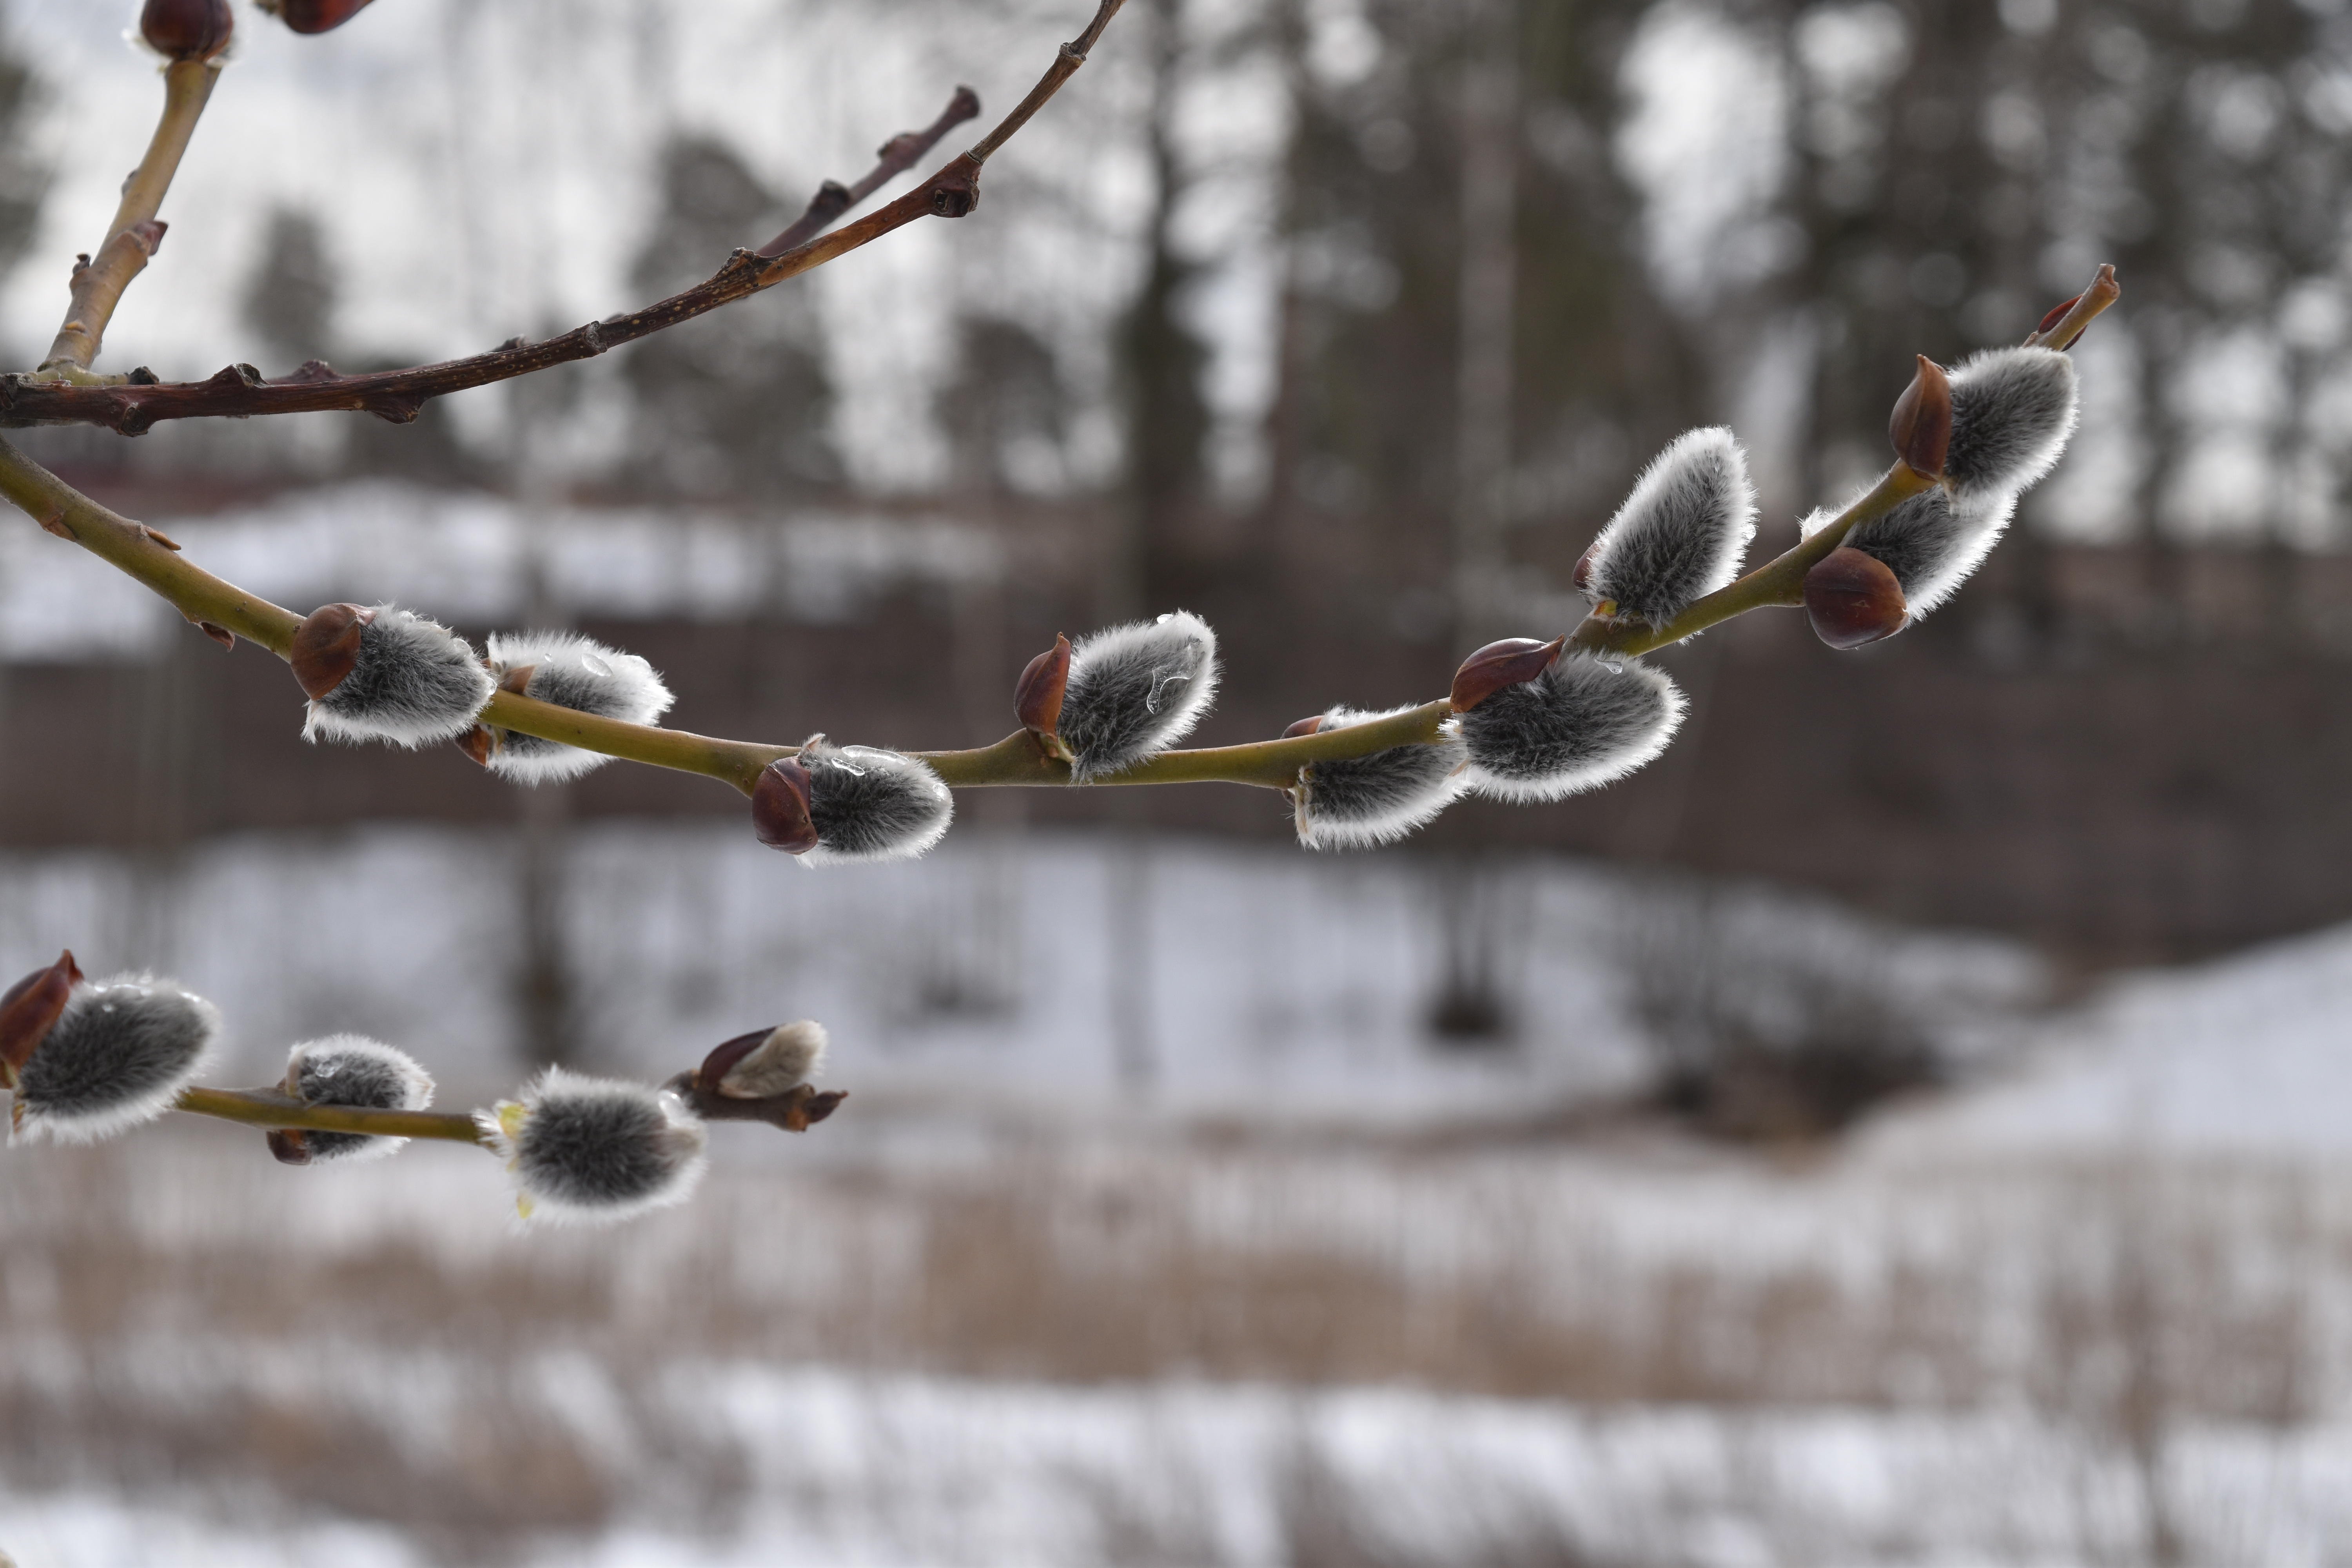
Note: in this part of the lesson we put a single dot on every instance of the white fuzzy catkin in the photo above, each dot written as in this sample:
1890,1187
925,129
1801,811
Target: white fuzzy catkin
596,1150
1136,690
1359,802
868,804
576,672
1581,723
351,1069
118,1056
788,1057
2012,410
415,682
1681,532
1932,542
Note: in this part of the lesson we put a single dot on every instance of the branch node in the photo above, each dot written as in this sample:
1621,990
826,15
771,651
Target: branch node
141,377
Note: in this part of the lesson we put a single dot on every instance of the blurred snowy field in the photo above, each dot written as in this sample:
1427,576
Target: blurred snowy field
1311,1289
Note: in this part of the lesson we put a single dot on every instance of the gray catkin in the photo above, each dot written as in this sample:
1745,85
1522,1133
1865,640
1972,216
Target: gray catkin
869,804
1681,534
576,672
1136,690
2012,410
1359,802
415,682
1579,724
1932,542
351,1069
599,1149
118,1056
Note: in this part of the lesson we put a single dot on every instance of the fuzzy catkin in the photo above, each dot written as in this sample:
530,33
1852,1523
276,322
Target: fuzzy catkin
869,804
1136,690
1581,723
118,1056
2012,410
1681,534
351,1069
415,682
1359,802
576,672
1932,542
596,1149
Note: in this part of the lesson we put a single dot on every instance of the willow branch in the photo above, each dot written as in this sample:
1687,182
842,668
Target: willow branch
98,281
1780,582
398,396
275,1109
898,155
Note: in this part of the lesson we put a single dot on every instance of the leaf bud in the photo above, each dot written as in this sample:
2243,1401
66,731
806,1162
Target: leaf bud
1921,427
1854,599
764,1063
780,807
1037,698
314,15
30,1010
1500,664
186,30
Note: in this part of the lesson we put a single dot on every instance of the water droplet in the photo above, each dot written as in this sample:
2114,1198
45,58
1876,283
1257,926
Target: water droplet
596,666
1613,665
1160,683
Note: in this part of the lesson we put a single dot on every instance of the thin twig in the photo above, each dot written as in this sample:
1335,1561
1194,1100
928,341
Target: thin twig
215,604
898,155
397,395
273,1108
98,281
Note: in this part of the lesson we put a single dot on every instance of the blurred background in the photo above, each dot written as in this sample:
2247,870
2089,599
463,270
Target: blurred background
1906,1123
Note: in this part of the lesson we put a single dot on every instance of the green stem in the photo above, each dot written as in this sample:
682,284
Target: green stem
98,286
274,1108
1779,581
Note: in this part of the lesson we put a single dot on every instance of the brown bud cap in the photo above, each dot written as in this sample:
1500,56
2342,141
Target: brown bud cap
780,807
186,30
1583,575
219,634
290,1145
1853,598
723,1057
1921,427
1501,663
480,743
2057,314
1303,727
1037,698
315,15
29,1010
326,647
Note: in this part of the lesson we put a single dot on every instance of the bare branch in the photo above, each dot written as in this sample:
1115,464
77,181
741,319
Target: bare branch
275,1109
98,281
238,392
898,155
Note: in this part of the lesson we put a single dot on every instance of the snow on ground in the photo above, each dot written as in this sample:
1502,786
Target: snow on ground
1319,1291
2250,1055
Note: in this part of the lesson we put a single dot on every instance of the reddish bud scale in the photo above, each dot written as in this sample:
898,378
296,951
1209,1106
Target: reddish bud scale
1854,599
1037,697
288,1146
780,807
2057,314
723,1057
1303,727
31,1007
326,647
315,15
1921,427
186,30
1582,576
1500,664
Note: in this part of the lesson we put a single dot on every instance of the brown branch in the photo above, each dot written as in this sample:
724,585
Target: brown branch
898,155
239,391
98,281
